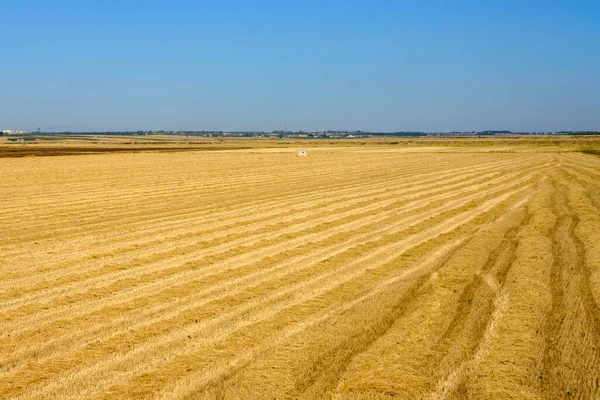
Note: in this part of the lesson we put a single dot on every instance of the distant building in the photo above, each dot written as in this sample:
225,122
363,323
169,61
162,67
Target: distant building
13,132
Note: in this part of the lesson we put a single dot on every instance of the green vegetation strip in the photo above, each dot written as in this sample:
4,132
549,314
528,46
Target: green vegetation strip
595,152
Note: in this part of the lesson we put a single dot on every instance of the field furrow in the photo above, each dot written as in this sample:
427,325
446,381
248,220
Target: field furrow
216,308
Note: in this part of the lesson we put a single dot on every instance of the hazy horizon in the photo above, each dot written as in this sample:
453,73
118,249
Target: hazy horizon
184,130
374,66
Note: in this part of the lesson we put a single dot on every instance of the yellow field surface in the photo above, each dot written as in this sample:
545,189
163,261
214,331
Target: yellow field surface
360,272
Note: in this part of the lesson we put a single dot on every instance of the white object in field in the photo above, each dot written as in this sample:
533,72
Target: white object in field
302,153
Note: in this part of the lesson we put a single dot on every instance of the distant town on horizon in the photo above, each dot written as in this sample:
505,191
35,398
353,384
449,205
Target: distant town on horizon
295,134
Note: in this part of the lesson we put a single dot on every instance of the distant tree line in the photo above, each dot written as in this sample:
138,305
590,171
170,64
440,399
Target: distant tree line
488,133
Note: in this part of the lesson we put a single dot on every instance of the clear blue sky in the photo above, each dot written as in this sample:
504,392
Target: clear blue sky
528,65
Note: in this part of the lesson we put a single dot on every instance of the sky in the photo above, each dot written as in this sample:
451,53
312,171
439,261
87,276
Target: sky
528,65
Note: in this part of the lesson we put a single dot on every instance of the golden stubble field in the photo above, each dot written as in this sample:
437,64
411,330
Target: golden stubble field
359,272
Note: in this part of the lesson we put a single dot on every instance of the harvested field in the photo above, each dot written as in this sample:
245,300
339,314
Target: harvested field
16,151
363,272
